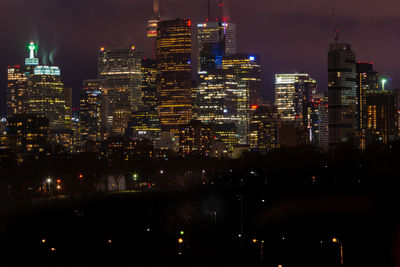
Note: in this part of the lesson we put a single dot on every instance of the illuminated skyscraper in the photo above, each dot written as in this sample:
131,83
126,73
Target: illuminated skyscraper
47,96
90,108
149,83
264,129
215,103
17,90
243,78
367,79
341,93
216,32
293,92
121,70
381,116
173,65
323,125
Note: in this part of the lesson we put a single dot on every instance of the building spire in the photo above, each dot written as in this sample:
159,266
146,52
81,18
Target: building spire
208,11
335,26
156,9
221,6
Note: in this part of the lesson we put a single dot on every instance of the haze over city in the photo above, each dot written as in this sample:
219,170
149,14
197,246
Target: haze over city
289,35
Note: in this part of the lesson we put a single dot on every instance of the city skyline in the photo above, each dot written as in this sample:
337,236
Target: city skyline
78,61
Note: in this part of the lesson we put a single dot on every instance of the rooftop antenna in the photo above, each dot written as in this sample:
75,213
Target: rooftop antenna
221,5
208,11
157,9
335,26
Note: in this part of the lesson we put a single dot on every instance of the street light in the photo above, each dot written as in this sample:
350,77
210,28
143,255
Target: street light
335,240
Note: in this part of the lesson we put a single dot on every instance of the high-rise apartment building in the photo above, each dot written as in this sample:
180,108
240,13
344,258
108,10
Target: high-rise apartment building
341,93
173,51
121,70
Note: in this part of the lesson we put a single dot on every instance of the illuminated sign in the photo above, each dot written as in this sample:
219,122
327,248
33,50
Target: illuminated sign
46,70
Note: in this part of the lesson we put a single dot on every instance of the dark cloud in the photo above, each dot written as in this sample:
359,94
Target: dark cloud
290,35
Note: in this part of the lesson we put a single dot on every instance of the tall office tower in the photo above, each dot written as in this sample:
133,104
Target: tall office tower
47,96
293,93
313,120
174,87
215,103
121,70
149,83
144,123
17,90
341,93
90,107
323,125
367,79
243,76
216,31
381,116
68,106
264,129
152,25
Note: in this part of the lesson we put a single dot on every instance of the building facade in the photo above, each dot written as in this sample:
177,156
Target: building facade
121,70
341,93
174,89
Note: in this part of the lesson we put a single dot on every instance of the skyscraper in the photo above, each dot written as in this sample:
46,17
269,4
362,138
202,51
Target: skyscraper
90,107
149,83
17,90
47,96
293,92
341,93
219,32
381,116
243,77
121,70
367,79
173,65
264,129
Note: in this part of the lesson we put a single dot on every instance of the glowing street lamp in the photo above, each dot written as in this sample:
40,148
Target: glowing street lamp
337,241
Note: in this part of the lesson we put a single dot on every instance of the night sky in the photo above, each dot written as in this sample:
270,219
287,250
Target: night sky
290,35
